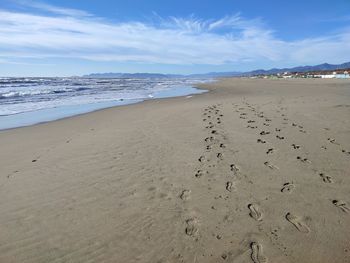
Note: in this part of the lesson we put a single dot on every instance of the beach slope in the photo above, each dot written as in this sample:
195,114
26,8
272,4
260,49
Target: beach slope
253,171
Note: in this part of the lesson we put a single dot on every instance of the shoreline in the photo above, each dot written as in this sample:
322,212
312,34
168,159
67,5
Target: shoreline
251,168
79,109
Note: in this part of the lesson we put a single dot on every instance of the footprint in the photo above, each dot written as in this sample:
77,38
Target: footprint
264,133
199,173
296,221
252,127
209,139
271,166
234,168
345,151
303,160
191,228
257,253
208,147
260,141
229,186
326,178
185,195
201,159
269,151
280,137
342,205
287,188
332,140
250,121
295,146
266,124
214,132
277,130
219,156
222,145
254,212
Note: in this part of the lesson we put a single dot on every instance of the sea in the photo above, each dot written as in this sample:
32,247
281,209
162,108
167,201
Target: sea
28,101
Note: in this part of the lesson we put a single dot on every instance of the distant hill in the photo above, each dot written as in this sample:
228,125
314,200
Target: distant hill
159,75
131,75
320,67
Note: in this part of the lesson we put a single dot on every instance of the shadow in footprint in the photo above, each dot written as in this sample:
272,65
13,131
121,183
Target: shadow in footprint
287,188
341,205
332,140
234,168
185,194
326,178
254,212
298,223
199,174
295,146
264,133
303,160
271,166
257,254
229,186
270,150
191,228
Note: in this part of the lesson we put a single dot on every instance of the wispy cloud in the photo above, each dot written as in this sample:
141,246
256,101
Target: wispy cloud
51,8
70,33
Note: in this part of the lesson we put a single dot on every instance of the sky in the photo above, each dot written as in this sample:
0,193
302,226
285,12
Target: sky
70,38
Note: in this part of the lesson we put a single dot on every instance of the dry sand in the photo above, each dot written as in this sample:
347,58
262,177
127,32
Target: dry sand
253,171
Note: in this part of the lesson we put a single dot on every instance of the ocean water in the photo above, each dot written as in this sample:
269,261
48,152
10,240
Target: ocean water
27,101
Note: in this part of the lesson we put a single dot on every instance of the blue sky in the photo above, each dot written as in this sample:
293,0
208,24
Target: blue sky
65,38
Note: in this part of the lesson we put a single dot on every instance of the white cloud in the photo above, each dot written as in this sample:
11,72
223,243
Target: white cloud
70,33
51,8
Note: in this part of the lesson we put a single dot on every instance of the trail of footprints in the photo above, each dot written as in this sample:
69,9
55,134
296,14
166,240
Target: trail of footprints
264,137
213,156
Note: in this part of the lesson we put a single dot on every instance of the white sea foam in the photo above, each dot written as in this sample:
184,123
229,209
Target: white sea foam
18,95
26,101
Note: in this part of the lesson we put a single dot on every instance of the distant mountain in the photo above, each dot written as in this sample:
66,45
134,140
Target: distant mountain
131,75
320,67
215,75
159,75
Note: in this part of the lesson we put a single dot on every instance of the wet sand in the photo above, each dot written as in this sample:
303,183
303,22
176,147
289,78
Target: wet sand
252,171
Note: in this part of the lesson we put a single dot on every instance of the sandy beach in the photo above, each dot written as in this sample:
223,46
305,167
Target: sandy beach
254,170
